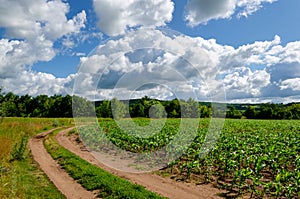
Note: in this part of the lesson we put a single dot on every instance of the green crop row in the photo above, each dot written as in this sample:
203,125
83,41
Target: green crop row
256,157
92,177
251,156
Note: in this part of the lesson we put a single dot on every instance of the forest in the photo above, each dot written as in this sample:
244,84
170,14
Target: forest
12,105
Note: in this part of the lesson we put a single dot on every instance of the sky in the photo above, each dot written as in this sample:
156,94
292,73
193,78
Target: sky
210,50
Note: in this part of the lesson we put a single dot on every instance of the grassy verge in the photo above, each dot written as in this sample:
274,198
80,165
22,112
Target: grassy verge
94,178
20,176
24,179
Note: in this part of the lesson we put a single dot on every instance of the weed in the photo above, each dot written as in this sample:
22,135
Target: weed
56,123
18,152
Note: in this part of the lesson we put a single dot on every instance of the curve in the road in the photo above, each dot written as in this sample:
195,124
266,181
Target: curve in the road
65,184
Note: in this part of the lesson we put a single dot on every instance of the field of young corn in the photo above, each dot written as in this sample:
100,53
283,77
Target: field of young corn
259,158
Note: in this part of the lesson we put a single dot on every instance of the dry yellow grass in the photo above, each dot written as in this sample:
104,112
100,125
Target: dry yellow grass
5,147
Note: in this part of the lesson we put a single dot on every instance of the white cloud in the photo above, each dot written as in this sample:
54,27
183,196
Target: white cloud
284,100
149,56
80,54
28,19
293,84
283,71
245,82
276,63
249,7
116,16
68,43
16,54
30,28
202,11
159,92
257,53
36,83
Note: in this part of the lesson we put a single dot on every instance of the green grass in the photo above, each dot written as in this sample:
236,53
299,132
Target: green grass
24,179
20,176
92,177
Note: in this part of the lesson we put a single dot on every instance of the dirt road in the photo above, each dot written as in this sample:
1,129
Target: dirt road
164,186
71,189
58,176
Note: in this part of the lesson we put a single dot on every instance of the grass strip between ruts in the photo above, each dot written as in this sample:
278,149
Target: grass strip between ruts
92,177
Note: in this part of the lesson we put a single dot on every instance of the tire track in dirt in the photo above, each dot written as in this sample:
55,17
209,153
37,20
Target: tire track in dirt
65,184
163,186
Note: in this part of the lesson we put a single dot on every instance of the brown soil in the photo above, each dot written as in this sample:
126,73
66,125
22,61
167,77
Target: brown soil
65,184
163,186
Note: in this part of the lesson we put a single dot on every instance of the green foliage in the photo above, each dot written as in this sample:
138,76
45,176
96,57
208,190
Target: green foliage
12,105
118,109
82,107
233,113
56,106
251,112
19,149
28,181
205,112
273,111
250,156
133,136
157,111
104,109
173,108
20,176
259,157
55,123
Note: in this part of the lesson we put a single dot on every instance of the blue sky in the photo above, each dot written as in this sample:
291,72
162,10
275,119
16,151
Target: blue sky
250,49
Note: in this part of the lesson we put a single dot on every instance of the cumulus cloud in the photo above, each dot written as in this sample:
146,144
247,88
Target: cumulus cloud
28,19
16,54
30,29
277,65
257,53
161,65
36,83
147,60
202,11
284,100
293,84
249,7
244,82
283,70
116,16
147,56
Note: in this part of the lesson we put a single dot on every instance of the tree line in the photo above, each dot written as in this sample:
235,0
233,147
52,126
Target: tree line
56,106
273,111
12,105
